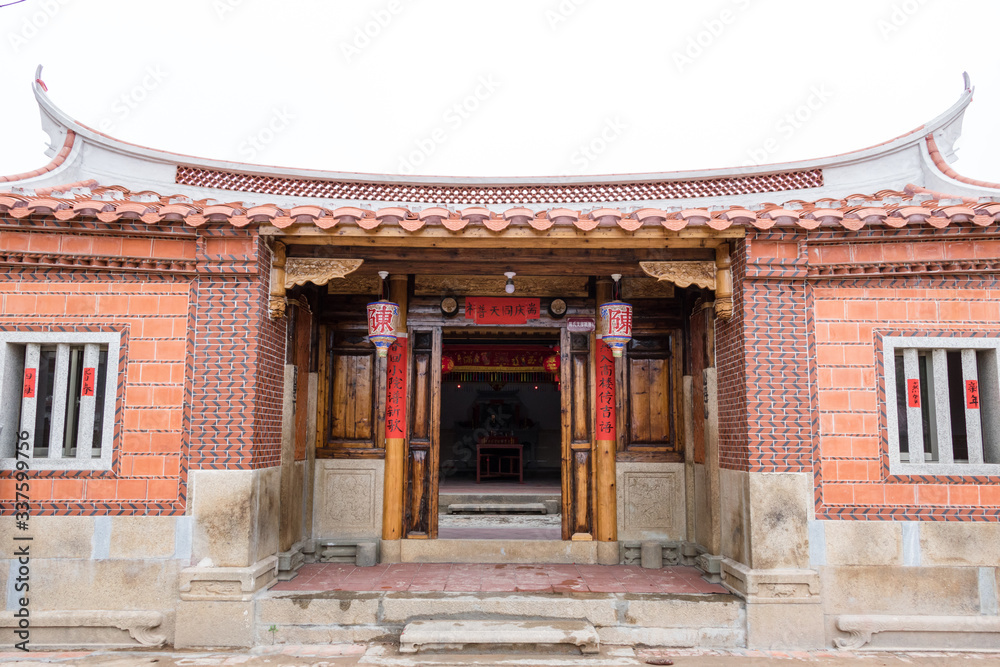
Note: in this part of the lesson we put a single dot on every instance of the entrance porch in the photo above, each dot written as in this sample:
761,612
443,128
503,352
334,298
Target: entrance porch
625,605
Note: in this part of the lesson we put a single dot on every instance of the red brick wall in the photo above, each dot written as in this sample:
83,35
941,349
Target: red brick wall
730,360
191,308
816,307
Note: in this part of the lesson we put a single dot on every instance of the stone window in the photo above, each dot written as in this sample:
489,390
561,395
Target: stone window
942,405
57,392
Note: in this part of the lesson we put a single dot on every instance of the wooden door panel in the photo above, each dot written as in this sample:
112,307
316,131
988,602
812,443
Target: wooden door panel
421,502
652,381
577,426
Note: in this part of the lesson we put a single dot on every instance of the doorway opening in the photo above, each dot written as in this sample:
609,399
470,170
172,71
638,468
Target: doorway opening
501,438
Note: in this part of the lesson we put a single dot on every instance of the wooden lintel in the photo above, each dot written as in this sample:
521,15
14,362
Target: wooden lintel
569,237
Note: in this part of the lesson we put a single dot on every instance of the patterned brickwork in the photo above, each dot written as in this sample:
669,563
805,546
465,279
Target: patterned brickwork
148,469
730,351
852,318
239,352
814,367
198,349
777,371
270,372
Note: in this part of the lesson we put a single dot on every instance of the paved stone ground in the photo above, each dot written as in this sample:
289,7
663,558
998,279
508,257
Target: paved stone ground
492,577
338,655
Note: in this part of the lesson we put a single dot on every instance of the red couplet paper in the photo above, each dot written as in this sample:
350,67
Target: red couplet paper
29,382
913,393
605,392
972,394
89,378
501,310
395,390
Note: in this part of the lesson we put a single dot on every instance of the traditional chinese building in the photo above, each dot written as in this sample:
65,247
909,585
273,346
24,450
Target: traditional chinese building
806,407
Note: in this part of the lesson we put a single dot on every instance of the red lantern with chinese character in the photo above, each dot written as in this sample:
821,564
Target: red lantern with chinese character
552,364
447,363
383,318
616,325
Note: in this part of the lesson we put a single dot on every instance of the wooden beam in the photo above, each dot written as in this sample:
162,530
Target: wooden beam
514,236
495,261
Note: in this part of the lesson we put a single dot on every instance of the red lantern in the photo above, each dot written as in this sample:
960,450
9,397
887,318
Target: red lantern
447,363
383,318
616,325
552,364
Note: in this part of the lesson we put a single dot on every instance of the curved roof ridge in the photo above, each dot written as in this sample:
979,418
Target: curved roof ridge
57,160
946,169
63,122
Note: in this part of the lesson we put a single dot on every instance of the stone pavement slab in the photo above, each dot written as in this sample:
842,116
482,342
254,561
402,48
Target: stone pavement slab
344,655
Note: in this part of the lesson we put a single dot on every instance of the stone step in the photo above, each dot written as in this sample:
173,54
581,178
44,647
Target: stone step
713,620
552,502
451,635
498,551
497,508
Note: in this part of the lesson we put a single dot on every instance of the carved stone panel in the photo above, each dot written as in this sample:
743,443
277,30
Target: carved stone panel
650,501
348,498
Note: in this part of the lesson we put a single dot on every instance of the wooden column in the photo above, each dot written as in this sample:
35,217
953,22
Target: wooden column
605,433
395,426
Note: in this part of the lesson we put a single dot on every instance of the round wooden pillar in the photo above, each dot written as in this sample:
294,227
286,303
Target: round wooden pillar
396,422
606,445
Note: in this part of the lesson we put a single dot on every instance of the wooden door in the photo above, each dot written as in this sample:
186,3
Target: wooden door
578,501
421,497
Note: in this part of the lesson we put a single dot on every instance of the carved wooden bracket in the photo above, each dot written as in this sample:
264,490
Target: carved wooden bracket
287,272
276,304
682,274
716,276
302,270
723,283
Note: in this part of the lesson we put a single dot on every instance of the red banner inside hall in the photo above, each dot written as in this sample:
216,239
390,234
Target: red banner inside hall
605,392
395,390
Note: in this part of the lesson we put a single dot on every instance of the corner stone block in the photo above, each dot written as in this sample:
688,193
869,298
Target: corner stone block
779,513
223,508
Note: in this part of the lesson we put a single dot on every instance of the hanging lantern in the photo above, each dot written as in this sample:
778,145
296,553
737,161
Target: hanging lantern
383,317
616,325
552,364
447,363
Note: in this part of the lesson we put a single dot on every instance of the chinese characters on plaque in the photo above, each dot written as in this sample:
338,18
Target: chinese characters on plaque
605,392
395,390
89,382
501,310
913,393
29,382
972,394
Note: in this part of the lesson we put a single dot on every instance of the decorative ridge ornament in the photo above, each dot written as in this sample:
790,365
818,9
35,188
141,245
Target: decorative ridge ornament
615,321
383,320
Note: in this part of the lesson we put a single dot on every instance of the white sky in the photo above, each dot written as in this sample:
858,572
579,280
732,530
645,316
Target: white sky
502,87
